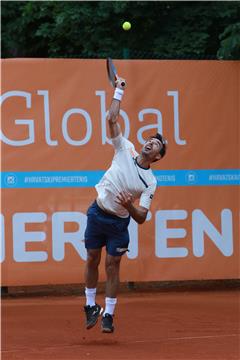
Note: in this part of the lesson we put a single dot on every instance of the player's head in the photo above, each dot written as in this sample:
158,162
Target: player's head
155,147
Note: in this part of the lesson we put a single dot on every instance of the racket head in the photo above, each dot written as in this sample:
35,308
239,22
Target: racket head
112,72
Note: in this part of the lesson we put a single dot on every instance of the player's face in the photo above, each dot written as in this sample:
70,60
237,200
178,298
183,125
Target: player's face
151,148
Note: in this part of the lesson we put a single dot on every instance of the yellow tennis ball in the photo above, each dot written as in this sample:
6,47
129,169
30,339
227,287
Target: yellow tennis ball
126,25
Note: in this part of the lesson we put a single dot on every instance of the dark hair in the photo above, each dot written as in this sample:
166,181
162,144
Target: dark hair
163,142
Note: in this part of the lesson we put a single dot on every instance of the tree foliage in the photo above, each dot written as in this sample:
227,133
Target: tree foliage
160,29
230,42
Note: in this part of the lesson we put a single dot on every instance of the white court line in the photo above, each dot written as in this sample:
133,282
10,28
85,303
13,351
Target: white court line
98,342
185,338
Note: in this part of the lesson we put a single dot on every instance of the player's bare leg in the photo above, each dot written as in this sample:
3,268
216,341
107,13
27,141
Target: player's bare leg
92,310
91,269
112,266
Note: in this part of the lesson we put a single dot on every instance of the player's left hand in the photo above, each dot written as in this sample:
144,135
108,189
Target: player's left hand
125,199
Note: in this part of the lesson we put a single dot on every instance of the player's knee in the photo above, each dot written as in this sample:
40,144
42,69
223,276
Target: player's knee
112,264
93,259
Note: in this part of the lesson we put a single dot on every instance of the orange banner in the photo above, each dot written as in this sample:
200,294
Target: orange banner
55,148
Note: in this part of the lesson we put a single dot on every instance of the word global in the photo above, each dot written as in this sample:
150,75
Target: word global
30,125
202,231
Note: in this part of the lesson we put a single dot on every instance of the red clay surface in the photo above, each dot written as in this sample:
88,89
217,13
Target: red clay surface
174,325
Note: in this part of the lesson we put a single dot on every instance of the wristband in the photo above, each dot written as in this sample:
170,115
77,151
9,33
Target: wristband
118,94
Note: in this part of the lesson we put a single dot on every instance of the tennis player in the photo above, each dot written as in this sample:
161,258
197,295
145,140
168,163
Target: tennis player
129,178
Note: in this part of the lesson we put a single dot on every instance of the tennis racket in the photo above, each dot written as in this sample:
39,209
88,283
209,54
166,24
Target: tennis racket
112,73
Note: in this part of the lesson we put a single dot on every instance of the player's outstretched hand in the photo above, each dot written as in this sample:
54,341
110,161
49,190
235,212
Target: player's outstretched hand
121,83
125,199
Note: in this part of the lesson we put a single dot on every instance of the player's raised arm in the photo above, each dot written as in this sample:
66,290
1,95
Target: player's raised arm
113,114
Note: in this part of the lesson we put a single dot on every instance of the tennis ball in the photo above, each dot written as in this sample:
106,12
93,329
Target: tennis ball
126,25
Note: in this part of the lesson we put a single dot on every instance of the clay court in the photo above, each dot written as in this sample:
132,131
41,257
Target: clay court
188,325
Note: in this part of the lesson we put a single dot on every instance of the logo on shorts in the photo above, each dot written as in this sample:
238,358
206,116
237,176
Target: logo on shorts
151,196
121,249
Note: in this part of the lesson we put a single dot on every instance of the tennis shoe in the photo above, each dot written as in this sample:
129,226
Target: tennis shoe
92,314
107,323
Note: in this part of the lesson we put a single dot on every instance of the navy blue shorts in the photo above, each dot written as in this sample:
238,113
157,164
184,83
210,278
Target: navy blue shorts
106,230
